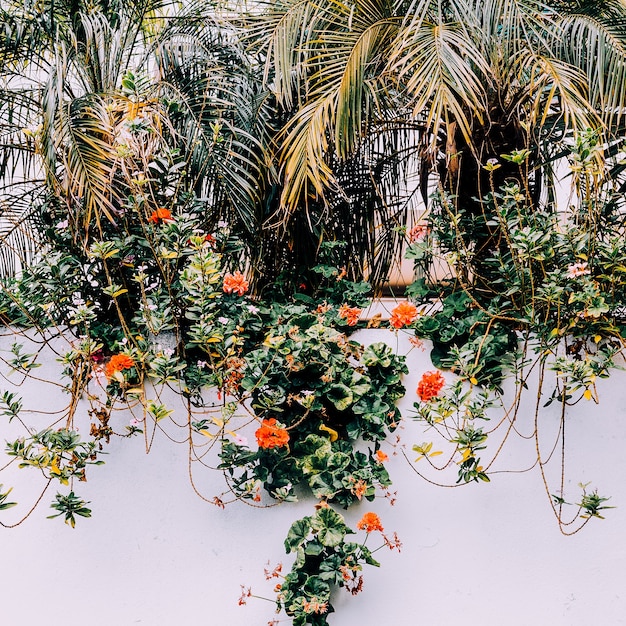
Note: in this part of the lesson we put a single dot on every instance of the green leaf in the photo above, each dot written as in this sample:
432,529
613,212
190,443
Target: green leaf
378,354
3,496
330,527
341,396
297,534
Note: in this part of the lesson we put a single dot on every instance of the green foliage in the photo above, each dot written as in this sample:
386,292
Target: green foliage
22,362
329,393
524,288
70,506
324,560
160,292
59,454
3,503
11,404
592,504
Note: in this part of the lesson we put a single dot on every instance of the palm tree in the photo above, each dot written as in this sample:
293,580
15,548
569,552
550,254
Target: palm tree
93,92
450,84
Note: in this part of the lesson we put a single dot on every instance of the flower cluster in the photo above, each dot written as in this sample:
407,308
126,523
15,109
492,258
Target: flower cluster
403,315
417,233
578,269
350,314
271,435
430,385
118,363
160,215
369,523
235,283
381,457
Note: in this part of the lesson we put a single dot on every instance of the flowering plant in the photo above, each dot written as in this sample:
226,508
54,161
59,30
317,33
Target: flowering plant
274,387
159,299
526,289
324,559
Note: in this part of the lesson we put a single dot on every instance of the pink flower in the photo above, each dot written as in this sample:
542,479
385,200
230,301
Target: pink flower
417,233
578,269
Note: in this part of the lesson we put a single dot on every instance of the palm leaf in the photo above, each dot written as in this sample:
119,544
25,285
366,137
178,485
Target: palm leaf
442,85
596,43
204,75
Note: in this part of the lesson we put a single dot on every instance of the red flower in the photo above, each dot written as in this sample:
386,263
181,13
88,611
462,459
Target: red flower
235,283
430,385
370,522
271,435
350,314
118,363
160,215
403,315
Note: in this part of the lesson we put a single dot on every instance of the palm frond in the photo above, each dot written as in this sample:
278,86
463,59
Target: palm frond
595,42
441,72
80,156
20,235
205,78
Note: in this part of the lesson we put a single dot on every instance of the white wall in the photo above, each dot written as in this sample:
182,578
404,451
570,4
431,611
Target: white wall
480,555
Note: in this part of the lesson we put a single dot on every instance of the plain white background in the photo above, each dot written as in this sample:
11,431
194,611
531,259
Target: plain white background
479,555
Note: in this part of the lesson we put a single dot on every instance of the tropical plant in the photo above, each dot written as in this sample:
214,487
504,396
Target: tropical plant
92,92
442,86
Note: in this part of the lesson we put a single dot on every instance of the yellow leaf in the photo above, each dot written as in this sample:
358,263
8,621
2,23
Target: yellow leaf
206,433
466,454
473,380
587,395
597,338
424,450
164,253
334,435
436,453
273,341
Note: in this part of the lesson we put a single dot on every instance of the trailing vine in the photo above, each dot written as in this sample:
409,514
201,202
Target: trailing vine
277,393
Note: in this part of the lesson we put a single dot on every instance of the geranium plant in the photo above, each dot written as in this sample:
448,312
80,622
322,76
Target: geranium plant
275,388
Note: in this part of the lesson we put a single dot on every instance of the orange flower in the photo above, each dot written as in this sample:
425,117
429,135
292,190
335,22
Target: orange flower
235,283
430,385
381,457
350,314
370,522
359,488
315,606
160,215
403,315
118,363
271,435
